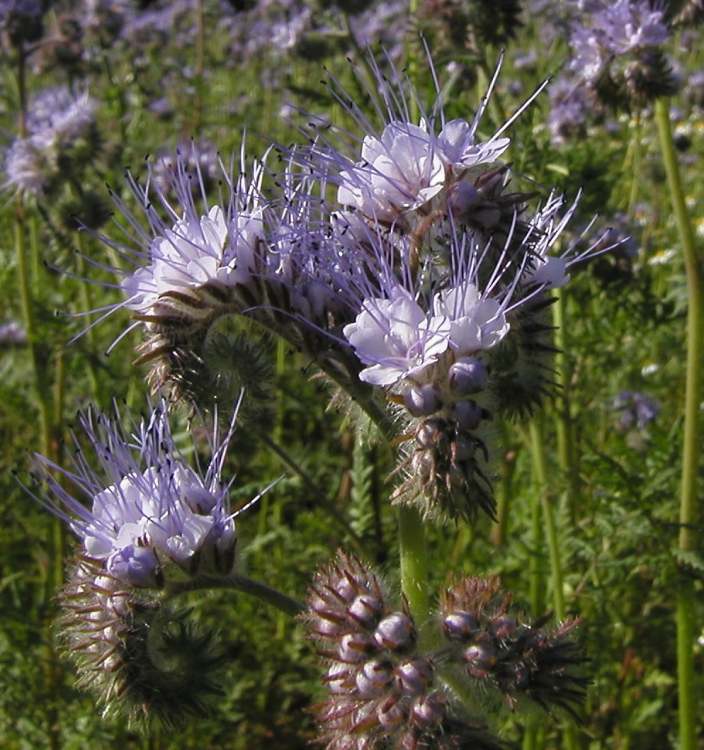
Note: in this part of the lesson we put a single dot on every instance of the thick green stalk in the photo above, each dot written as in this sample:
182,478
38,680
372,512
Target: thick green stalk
540,472
414,562
413,547
690,448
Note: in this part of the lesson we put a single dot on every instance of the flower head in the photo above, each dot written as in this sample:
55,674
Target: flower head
216,245
56,122
147,507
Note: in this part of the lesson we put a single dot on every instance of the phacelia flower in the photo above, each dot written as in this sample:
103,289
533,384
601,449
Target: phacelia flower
57,122
476,323
396,338
147,507
635,410
617,50
217,247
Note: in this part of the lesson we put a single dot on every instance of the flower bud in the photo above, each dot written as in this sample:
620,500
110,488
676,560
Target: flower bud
390,714
373,678
135,565
365,610
468,375
463,198
355,647
468,414
428,710
423,465
460,626
503,627
395,632
421,400
430,433
337,679
480,658
413,677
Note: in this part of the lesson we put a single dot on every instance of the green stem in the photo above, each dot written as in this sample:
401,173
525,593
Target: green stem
59,532
635,171
690,449
413,548
258,590
503,492
414,562
563,417
540,472
536,593
27,308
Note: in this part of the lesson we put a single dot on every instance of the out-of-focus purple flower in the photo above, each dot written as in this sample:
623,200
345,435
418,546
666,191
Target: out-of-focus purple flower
21,20
616,48
56,119
569,110
197,157
12,334
635,410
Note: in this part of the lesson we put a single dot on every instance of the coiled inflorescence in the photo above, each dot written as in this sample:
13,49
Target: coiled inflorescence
498,647
381,688
387,683
137,656
426,278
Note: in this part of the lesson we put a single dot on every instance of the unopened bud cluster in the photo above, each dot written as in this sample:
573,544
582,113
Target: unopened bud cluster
498,647
381,688
138,658
386,690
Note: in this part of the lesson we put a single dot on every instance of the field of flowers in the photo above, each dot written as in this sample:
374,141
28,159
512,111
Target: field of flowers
350,374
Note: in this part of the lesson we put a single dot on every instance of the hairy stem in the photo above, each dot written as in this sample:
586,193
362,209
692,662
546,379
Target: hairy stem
258,590
563,417
690,449
414,562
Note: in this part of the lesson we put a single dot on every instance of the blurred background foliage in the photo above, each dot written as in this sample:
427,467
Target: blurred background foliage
163,73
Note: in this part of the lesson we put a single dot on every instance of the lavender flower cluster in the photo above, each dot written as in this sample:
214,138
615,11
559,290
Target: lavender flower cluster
149,510
397,255
59,138
618,52
421,284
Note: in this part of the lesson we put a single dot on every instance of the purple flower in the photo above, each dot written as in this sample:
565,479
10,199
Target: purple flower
56,120
147,506
201,243
396,338
635,410
611,30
